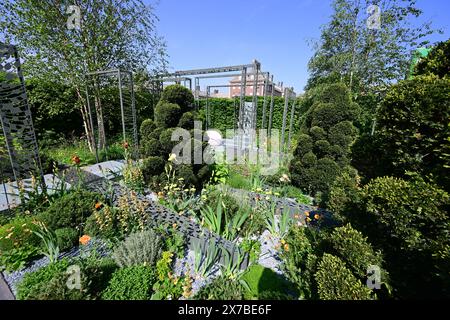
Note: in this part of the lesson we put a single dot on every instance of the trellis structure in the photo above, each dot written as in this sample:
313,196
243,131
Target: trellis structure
123,80
19,138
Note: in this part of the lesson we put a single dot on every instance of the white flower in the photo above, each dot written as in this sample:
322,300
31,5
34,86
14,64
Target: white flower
172,157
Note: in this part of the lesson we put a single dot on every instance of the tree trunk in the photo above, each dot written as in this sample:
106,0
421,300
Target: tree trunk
86,122
100,123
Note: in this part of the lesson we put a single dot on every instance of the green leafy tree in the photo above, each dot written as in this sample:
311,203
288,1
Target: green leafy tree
113,34
367,58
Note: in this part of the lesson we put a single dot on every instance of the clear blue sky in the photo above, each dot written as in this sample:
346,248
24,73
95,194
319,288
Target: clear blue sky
210,33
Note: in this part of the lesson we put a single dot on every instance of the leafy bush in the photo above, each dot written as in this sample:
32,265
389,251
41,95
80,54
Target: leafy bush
409,221
221,288
130,283
336,282
167,115
152,166
260,279
187,121
186,173
166,142
71,210
413,128
151,147
299,261
141,248
328,132
437,62
51,281
18,243
179,95
66,238
156,133
146,129
353,248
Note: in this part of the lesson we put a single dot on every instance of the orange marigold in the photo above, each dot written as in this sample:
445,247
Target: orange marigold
76,159
98,205
84,240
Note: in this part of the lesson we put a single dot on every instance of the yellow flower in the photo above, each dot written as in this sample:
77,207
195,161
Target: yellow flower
308,219
286,247
307,213
283,241
316,216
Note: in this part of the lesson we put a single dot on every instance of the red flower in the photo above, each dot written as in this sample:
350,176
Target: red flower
126,145
76,159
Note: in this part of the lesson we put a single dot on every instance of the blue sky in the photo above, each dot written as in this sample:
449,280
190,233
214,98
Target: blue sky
210,33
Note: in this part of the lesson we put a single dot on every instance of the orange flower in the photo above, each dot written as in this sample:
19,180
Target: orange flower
296,216
307,213
316,216
125,145
98,206
286,247
76,159
84,240
174,225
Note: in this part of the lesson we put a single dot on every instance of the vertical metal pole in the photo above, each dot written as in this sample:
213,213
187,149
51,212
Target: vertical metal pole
121,105
133,111
266,79
207,108
243,92
283,128
255,94
291,125
271,106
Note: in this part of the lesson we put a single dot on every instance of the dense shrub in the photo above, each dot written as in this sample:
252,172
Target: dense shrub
166,142
71,210
336,282
167,115
67,238
221,288
152,166
353,248
18,243
130,283
151,147
156,133
186,173
50,282
413,126
146,129
409,221
187,121
179,95
437,62
327,134
300,260
141,248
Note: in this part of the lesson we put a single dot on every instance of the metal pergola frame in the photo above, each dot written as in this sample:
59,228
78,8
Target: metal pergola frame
119,73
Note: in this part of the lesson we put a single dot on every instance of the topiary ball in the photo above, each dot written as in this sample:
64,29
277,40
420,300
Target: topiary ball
180,95
187,121
146,129
151,147
167,114
152,166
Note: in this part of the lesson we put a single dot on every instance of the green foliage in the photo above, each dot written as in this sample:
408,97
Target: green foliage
336,282
354,249
437,62
18,243
141,248
166,142
260,279
130,283
344,192
66,238
328,131
167,115
413,127
187,121
179,95
152,166
299,260
71,210
146,129
151,147
252,248
221,288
